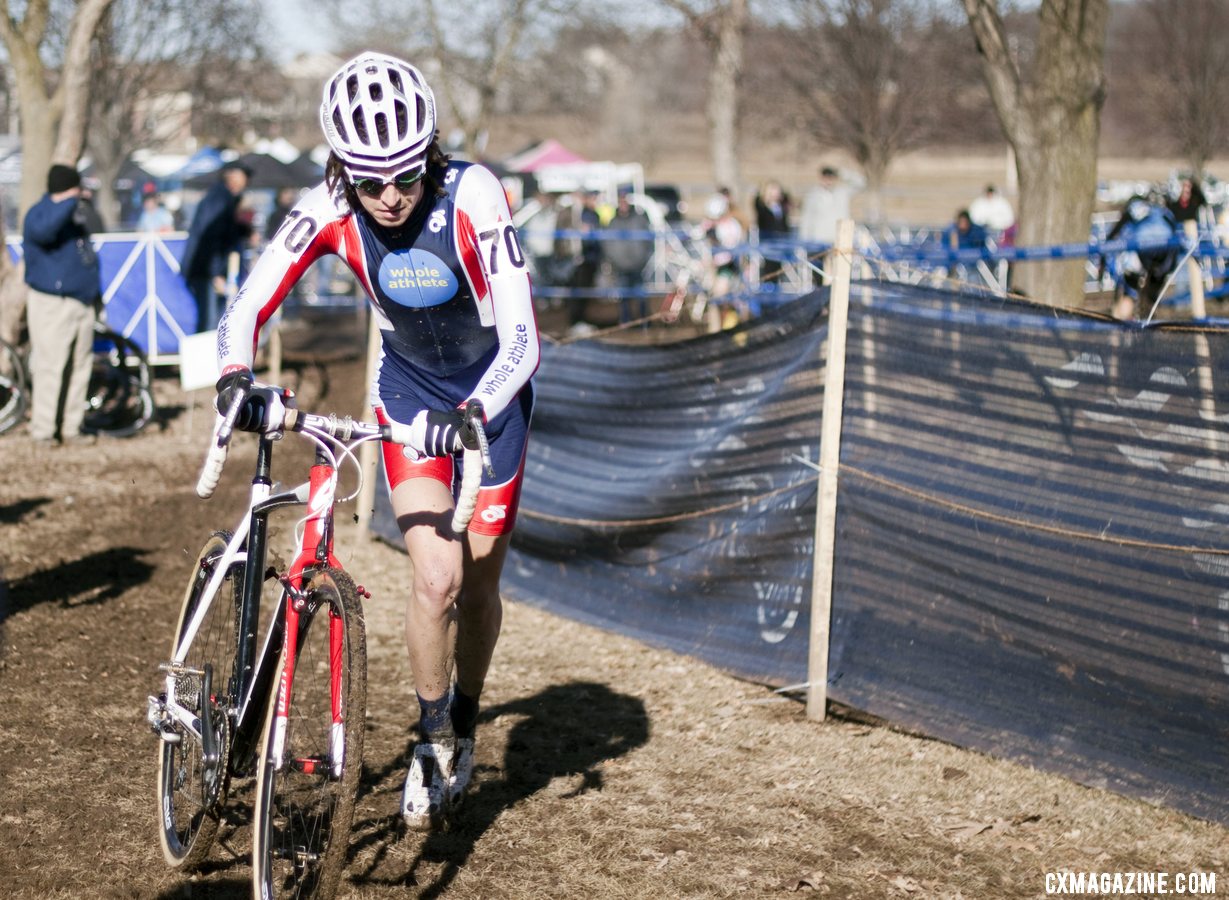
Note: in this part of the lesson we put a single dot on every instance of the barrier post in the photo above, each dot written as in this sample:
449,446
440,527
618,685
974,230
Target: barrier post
368,460
829,461
1194,272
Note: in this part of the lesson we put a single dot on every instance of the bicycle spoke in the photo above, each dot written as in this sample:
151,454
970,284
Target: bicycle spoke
191,788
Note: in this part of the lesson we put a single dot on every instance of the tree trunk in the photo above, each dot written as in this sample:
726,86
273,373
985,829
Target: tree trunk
1052,122
1057,171
73,91
726,42
12,293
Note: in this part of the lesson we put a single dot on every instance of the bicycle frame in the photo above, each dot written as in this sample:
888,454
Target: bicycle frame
255,671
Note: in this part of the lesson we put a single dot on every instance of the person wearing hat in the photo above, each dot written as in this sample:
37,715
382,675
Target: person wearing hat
215,233
61,271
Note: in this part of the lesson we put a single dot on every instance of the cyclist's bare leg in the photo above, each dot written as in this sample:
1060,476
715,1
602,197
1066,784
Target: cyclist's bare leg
444,622
479,610
423,508
448,628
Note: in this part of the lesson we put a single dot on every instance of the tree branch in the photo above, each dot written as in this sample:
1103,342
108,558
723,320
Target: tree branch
1002,73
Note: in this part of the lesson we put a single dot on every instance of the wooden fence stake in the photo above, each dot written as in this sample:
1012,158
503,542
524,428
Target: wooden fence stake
829,461
367,454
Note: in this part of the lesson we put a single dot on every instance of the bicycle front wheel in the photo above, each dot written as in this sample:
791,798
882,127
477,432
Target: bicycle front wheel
312,758
191,785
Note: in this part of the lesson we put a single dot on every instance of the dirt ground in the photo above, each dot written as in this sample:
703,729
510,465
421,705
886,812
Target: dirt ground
605,769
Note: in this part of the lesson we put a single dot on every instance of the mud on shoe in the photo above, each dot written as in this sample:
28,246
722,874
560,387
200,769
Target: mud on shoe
425,796
462,771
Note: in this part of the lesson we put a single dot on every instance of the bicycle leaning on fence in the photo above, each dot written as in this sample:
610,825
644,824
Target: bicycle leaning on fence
289,708
120,401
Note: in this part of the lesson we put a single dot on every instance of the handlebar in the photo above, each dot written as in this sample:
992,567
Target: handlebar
476,450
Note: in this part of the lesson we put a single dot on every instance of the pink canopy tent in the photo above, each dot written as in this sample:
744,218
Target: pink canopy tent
547,153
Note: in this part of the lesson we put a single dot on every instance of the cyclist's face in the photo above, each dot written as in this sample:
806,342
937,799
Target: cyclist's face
388,201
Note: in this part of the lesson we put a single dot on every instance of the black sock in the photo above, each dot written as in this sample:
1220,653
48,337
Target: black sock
464,714
433,718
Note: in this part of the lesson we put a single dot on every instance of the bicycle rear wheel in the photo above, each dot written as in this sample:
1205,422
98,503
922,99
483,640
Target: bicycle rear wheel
120,401
14,395
311,761
191,789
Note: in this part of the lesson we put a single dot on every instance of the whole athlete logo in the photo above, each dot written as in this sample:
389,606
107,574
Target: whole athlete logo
417,278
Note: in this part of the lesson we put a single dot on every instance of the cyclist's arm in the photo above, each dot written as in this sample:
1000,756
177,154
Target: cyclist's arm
502,290
311,230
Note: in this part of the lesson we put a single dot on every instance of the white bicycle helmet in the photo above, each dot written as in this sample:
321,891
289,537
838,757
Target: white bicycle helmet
378,114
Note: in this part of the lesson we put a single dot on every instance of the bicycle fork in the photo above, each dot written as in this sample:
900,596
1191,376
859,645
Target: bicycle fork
316,552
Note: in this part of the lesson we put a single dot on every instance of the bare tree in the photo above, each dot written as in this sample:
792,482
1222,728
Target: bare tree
473,65
150,56
52,118
875,78
1048,98
1169,64
722,26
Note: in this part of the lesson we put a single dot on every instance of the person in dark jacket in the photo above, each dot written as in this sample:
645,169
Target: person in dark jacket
628,249
61,271
215,233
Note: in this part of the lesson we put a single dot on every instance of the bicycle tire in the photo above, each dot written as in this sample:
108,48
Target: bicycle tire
120,402
190,800
305,805
14,388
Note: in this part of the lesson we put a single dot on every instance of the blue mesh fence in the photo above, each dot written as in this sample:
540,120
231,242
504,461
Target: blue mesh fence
1030,549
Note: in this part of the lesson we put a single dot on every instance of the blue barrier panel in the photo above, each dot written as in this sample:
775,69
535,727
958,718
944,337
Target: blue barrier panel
1032,547
145,298
143,295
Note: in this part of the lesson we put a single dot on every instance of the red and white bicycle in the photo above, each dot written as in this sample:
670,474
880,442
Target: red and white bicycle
288,707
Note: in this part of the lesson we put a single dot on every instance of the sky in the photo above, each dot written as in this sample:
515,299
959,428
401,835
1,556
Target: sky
296,29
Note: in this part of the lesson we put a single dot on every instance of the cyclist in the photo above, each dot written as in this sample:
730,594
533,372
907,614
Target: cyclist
431,240
1140,272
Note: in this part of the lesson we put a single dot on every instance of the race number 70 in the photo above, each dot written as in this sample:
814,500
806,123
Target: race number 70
510,242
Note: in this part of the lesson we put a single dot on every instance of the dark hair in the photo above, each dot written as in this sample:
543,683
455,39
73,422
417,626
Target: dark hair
335,173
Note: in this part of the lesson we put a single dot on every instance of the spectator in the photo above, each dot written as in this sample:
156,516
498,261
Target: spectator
584,275
724,233
61,271
538,238
993,212
772,221
824,206
1185,207
154,217
964,233
282,205
628,249
86,208
216,232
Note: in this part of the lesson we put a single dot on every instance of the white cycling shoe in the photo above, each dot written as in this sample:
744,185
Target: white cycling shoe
462,771
428,785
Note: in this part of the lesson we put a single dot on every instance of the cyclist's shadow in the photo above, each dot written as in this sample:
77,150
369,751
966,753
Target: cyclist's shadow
568,730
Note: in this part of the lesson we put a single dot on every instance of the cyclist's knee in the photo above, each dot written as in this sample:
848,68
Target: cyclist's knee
436,587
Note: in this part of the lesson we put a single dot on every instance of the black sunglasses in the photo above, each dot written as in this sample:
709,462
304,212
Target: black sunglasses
402,181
